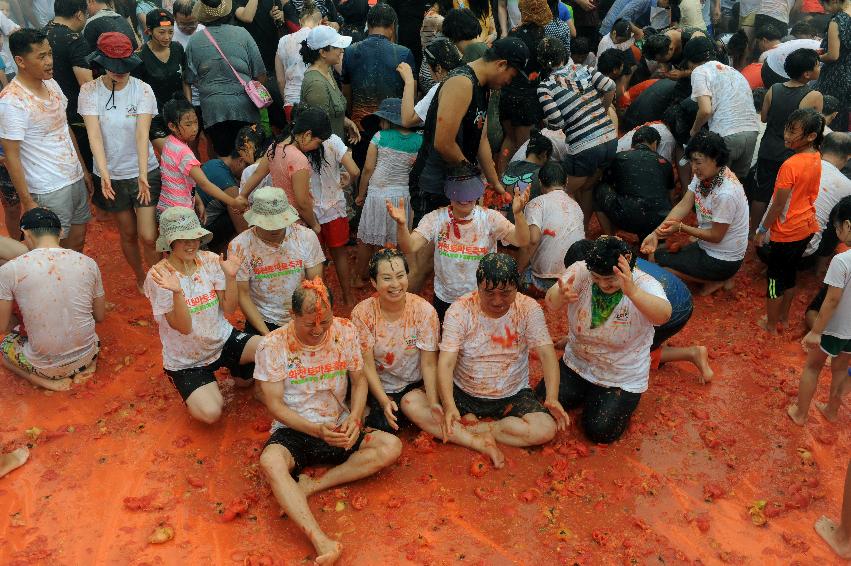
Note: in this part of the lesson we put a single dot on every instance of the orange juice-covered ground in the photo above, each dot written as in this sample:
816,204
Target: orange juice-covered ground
119,456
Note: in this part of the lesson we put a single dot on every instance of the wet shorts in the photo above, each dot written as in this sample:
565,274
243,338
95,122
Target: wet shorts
376,419
186,381
521,403
833,346
70,203
308,450
692,260
12,350
127,193
335,234
588,161
534,286
783,260
8,194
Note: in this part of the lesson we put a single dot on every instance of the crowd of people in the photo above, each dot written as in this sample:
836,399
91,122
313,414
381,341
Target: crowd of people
242,146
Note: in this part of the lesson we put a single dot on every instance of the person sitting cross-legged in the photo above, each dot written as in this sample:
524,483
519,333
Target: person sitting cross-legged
304,370
483,367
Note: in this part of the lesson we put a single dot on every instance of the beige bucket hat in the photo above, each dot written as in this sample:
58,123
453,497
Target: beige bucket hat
178,223
271,210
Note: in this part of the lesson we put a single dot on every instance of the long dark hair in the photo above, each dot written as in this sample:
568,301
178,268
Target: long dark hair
305,119
482,8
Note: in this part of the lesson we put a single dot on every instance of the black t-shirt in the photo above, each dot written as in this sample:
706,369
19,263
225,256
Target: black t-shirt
642,173
108,21
69,50
650,104
165,78
262,29
410,14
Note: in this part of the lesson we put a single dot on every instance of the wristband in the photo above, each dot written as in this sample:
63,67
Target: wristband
761,229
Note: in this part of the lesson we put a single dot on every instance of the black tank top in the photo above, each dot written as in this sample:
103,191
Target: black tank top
784,101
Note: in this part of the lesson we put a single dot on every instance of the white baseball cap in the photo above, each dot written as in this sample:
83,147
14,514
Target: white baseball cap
322,37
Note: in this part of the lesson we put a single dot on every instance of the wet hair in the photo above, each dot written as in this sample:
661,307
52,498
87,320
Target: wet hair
67,8
308,8
655,46
800,61
737,47
551,54
183,7
830,106
602,257
388,255
811,122
442,53
579,46
497,270
539,144
311,288
552,174
305,119
622,29
381,16
646,135
758,97
837,143
804,29
577,251
21,42
771,32
711,145
679,119
248,134
175,109
841,212
461,24
610,61
42,231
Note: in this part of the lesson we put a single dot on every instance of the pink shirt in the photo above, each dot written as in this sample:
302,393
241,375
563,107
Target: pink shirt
287,160
178,188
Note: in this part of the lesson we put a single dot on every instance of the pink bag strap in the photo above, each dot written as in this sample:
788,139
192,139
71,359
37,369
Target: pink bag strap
219,49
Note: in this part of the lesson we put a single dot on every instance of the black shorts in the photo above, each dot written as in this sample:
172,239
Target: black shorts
249,328
308,450
693,261
521,403
815,304
783,261
376,419
668,330
589,161
441,307
186,381
520,108
766,176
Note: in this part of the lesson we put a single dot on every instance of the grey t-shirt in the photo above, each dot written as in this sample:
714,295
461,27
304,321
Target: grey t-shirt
222,96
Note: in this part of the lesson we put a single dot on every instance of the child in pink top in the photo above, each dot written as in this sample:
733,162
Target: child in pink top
180,169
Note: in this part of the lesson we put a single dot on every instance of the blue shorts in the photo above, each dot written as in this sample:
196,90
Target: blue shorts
534,286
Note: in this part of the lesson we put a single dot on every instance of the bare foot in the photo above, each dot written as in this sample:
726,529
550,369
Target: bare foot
307,485
827,413
728,284
763,323
795,414
13,460
328,552
709,288
702,362
829,531
490,448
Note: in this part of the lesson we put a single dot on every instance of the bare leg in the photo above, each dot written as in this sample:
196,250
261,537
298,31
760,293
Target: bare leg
839,385
359,277
839,536
13,460
126,220
757,212
807,388
531,430
277,463
146,228
786,304
585,198
10,249
341,265
416,407
696,355
12,215
50,384
377,451
773,308
76,238
205,403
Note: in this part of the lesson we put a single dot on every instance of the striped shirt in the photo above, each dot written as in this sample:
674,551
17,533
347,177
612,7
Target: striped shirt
572,100
178,188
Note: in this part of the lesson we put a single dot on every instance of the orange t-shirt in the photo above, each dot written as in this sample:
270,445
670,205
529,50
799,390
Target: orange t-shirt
753,74
802,174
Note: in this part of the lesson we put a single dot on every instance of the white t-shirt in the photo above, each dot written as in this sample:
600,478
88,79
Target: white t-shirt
606,43
210,328
560,149
748,7
43,11
273,273
616,353
396,345
666,145
7,27
775,58
118,123
247,173
561,222
691,14
833,187
777,9
55,289
456,259
183,39
290,57
47,153
316,378
329,201
838,275
493,353
726,204
732,100
421,107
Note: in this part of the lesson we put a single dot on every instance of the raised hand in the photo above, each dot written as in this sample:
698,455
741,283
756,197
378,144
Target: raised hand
405,72
231,265
566,291
165,276
520,200
624,274
397,213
